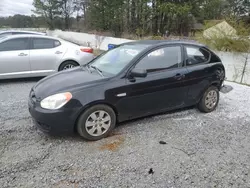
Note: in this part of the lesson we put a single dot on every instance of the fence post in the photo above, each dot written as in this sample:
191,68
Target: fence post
244,69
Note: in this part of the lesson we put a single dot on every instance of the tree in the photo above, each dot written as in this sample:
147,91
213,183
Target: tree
49,9
82,5
140,17
67,8
238,7
213,9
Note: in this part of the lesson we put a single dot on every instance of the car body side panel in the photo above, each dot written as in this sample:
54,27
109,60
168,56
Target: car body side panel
74,54
46,60
199,78
14,64
155,93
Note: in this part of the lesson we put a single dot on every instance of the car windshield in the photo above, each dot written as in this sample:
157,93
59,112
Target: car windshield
113,61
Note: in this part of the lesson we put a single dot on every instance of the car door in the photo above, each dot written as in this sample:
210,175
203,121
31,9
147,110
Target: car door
200,70
45,55
14,57
163,87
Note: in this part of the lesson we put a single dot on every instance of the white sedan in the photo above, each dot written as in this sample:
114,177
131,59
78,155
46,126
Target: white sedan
35,55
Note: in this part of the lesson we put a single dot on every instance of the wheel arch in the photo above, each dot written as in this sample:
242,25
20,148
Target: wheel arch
215,83
72,60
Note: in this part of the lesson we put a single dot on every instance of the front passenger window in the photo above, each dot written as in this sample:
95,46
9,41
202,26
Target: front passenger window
161,59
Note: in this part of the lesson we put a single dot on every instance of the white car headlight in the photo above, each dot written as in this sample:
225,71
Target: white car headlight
56,101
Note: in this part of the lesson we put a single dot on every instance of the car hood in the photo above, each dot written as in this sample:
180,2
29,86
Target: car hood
64,81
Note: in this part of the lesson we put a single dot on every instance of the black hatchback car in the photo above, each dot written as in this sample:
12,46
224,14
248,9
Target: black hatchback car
132,80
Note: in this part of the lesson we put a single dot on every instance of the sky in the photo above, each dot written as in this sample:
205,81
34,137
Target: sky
12,7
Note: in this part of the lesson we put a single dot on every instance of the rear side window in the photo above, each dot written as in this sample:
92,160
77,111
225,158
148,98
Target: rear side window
57,43
39,43
18,33
196,55
15,44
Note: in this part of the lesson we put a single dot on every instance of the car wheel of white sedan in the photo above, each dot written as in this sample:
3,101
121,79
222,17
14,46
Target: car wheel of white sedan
96,122
68,65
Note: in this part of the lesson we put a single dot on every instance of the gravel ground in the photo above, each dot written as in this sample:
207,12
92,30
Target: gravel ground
201,150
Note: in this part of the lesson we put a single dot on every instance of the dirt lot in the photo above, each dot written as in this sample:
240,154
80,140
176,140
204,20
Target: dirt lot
201,150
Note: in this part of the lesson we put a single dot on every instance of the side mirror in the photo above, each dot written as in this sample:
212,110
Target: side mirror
141,73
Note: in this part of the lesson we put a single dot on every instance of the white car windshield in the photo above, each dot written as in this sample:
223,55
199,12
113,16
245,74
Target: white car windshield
113,61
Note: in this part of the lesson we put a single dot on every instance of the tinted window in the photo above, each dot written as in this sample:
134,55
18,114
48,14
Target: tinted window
160,59
196,55
19,33
57,43
44,43
15,44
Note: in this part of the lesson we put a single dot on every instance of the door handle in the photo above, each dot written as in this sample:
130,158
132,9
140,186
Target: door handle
179,76
58,52
22,54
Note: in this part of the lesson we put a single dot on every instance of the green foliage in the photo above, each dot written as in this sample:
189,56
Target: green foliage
227,44
157,38
241,27
22,21
213,9
211,23
176,17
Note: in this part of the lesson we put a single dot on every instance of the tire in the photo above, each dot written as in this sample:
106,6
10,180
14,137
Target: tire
209,100
89,126
67,65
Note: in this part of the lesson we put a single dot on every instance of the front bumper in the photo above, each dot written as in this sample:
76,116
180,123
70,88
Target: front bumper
55,122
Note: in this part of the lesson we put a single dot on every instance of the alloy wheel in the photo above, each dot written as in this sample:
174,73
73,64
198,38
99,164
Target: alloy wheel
68,66
211,99
98,123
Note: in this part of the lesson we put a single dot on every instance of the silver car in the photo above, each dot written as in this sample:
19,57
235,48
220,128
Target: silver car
35,55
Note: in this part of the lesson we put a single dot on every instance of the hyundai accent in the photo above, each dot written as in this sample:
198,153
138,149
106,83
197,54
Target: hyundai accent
132,80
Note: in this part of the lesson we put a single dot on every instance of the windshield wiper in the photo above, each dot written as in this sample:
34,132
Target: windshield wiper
97,69
86,67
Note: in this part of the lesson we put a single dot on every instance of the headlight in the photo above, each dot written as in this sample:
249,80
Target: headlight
56,101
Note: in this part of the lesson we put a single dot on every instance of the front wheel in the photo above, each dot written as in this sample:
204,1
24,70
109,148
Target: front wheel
96,122
209,100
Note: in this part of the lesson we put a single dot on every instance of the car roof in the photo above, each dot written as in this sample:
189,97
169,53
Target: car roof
29,35
21,31
162,42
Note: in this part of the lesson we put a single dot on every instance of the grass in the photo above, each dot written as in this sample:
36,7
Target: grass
98,52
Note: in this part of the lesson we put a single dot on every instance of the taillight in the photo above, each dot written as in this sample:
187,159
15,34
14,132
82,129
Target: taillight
87,50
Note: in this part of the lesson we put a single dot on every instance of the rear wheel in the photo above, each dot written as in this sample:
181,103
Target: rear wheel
210,100
68,65
96,122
